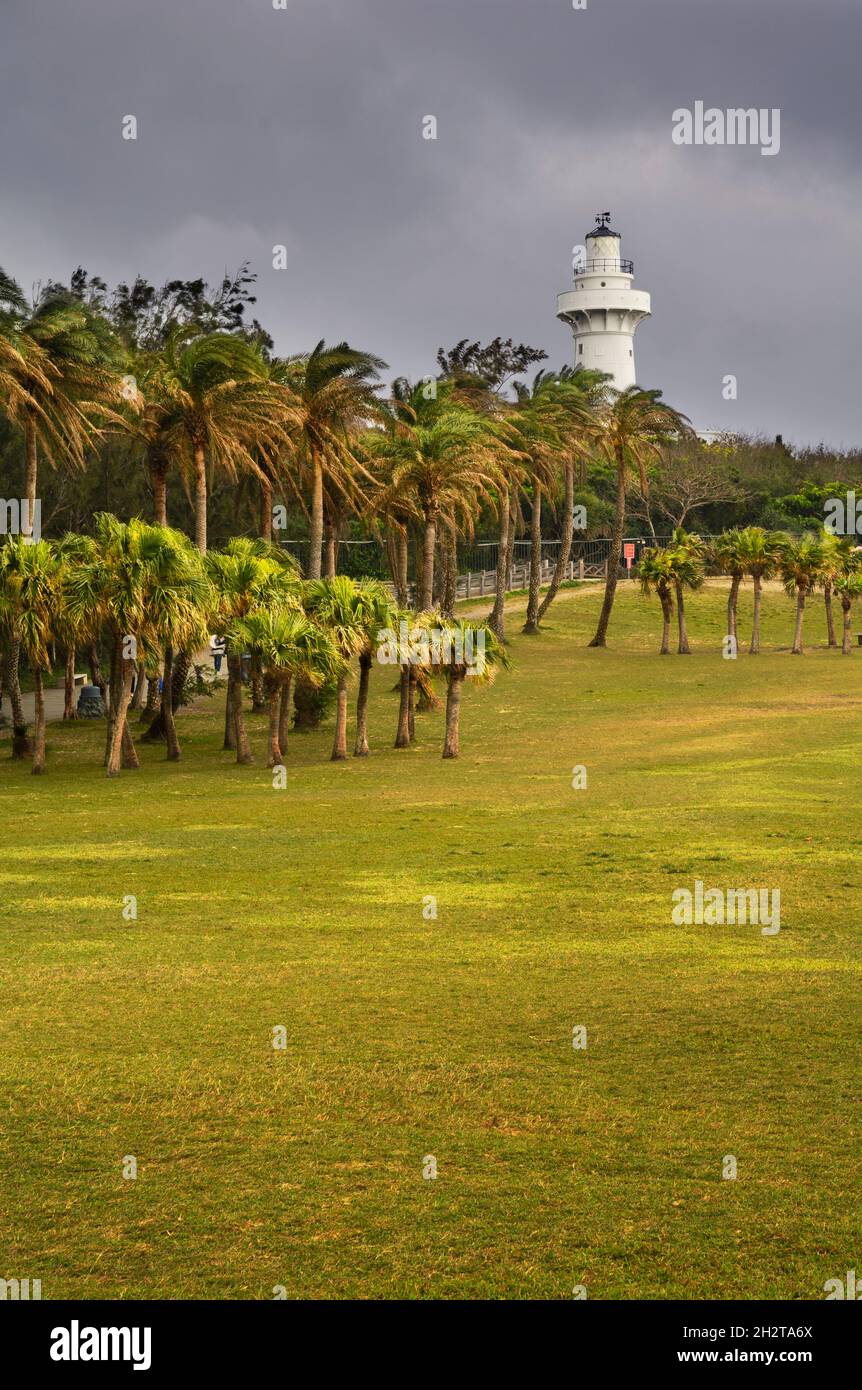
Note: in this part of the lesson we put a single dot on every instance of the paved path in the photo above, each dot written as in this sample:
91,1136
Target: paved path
55,698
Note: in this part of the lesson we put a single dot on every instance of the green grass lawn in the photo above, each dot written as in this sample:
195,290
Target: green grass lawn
452,1037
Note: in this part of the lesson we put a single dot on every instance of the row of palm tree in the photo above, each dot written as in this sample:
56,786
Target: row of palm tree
804,564
145,590
316,428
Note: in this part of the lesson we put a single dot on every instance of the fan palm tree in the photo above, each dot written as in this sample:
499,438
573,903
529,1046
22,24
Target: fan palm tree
576,397
801,570
220,409
656,575
31,602
835,551
728,559
59,368
246,576
145,585
686,552
336,395
464,650
849,586
636,426
349,611
290,645
444,465
760,554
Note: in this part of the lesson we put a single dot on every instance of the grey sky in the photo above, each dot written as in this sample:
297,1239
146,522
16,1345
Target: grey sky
304,127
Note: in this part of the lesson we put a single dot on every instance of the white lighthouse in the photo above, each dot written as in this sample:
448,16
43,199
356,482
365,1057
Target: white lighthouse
603,310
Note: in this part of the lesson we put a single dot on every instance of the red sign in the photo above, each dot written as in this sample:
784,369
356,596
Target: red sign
628,553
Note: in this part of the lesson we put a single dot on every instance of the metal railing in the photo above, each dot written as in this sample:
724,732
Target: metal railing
611,265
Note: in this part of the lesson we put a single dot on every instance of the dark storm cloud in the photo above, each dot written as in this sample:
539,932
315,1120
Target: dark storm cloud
303,127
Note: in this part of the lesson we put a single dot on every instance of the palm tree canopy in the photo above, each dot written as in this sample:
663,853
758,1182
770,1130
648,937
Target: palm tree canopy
31,597
142,581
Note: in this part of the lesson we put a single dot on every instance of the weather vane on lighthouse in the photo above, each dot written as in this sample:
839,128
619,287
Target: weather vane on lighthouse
603,310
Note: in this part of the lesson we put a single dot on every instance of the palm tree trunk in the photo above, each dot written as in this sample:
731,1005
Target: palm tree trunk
402,738
565,544
846,603
800,610
683,648
732,604
180,671
173,752
667,615
331,551
118,722
315,525
259,703
496,617
243,747
130,757
426,596
830,621
21,747
339,743
419,555
69,711
360,749
200,499
411,705
159,485
138,696
275,758
531,626
30,469
452,741
284,716
600,639
114,683
152,697
96,673
754,647
39,736
450,572
229,730
401,578
266,509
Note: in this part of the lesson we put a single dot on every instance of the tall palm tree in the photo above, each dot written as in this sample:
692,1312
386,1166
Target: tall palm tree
577,396
31,604
760,554
59,369
221,409
801,570
636,426
144,583
835,551
444,465
656,575
336,395
686,552
728,559
458,641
